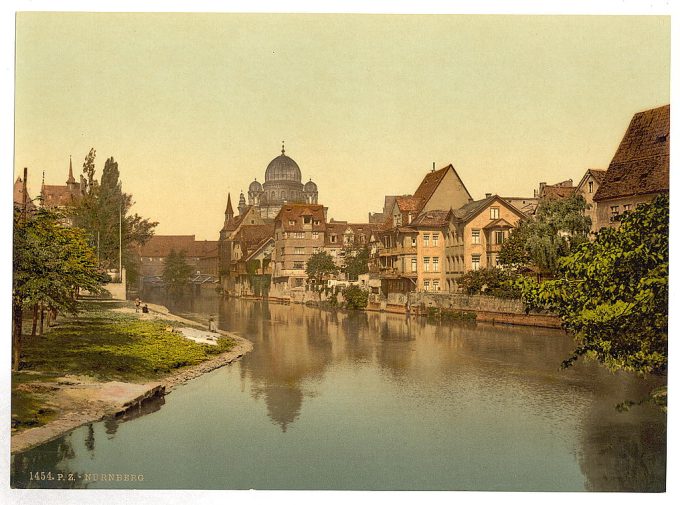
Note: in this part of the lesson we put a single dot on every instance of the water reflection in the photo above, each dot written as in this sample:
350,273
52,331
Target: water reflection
473,405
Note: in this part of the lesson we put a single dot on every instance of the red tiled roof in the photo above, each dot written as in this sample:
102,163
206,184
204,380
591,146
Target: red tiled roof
641,163
408,203
203,249
251,236
597,174
56,196
429,184
161,245
19,195
295,213
557,192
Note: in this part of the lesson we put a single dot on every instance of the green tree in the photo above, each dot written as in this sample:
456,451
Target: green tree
50,263
356,262
319,266
491,281
104,212
559,227
612,294
176,272
355,297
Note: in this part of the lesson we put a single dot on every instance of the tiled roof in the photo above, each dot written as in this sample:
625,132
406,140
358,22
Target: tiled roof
251,236
557,192
295,213
19,195
641,163
597,174
431,218
470,209
203,249
161,245
408,203
56,196
429,184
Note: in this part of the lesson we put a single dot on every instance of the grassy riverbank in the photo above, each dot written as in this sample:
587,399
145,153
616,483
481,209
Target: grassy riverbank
107,341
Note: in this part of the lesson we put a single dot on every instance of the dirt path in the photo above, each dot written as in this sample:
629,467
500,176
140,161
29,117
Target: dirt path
81,400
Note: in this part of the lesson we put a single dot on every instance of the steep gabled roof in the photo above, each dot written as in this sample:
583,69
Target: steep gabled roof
470,210
18,195
557,192
251,236
56,196
431,182
641,163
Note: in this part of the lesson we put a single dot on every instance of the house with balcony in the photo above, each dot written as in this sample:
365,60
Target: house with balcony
299,232
477,234
639,170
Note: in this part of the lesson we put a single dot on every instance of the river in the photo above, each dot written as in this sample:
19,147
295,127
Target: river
373,401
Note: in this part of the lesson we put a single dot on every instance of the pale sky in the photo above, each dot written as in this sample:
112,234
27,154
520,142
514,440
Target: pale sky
193,106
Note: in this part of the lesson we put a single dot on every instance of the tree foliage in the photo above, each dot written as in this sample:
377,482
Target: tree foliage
319,266
103,211
176,272
612,294
492,281
51,263
356,262
355,297
559,227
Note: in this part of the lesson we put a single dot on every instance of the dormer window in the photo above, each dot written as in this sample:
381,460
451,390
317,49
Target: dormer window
662,138
291,222
307,219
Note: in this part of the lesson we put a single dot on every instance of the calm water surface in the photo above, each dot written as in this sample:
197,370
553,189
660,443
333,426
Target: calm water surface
375,401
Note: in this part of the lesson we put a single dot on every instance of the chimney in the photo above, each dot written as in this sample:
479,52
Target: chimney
433,166
488,195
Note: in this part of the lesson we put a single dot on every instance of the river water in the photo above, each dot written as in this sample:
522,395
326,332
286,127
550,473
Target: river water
336,400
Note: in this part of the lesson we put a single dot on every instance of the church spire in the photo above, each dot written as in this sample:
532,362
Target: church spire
71,179
229,212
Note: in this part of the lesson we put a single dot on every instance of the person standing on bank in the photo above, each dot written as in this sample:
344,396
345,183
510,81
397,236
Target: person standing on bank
211,324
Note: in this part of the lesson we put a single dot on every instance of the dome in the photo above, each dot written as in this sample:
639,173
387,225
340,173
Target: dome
310,187
255,187
283,168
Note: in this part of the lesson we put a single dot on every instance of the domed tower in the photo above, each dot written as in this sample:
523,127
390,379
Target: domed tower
283,181
241,204
254,193
311,192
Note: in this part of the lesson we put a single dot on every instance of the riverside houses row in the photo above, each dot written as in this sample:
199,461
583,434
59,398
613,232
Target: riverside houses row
427,240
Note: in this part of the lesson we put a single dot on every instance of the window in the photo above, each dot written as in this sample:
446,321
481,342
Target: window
283,195
414,265
299,250
426,285
298,265
334,239
615,210
316,222
316,250
475,236
414,242
298,282
626,207
426,263
426,240
283,251
495,211
291,222
475,262
500,235
435,239
307,219
435,264
590,187
315,234
435,285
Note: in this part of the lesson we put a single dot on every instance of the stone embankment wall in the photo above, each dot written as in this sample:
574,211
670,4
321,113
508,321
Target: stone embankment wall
487,308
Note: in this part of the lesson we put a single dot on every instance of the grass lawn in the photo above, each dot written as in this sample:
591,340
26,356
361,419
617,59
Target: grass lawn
111,345
102,344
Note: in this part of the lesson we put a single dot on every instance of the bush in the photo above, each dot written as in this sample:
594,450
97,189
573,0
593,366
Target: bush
490,281
355,297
